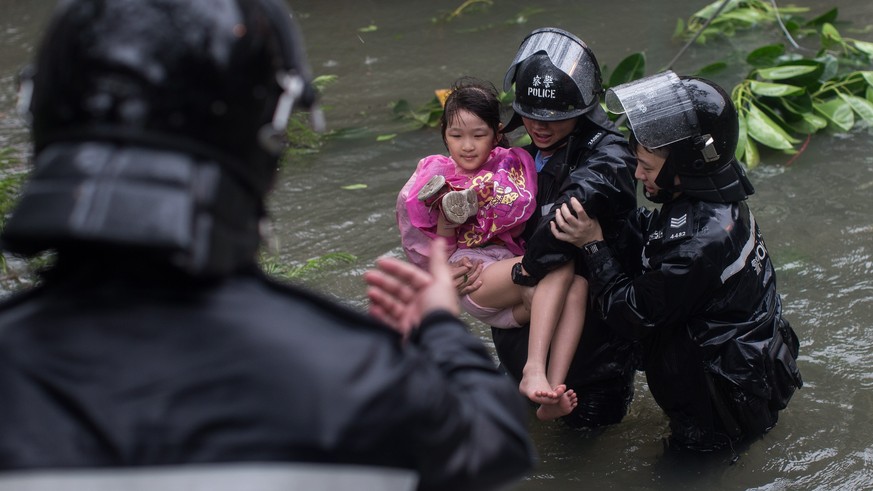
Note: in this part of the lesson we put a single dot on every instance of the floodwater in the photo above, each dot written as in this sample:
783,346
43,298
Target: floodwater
814,212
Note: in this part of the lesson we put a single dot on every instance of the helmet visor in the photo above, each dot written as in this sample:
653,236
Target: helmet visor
566,52
659,109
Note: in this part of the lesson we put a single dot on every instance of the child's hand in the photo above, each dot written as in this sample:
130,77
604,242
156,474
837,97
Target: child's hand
466,275
445,228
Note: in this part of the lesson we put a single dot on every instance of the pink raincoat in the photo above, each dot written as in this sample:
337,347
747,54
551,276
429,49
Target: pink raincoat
506,185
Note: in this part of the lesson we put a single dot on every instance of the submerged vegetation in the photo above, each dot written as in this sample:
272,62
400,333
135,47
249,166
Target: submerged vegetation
789,92
273,266
302,137
11,180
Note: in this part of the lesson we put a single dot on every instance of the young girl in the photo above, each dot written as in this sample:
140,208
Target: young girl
480,197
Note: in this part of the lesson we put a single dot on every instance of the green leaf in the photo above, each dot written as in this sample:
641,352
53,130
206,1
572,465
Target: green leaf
631,68
751,156
746,16
863,107
742,136
864,46
765,56
712,8
830,67
816,122
868,76
786,71
712,69
838,112
382,138
680,28
370,28
808,124
829,32
767,89
798,105
767,131
828,17
402,106
870,93
748,151
352,187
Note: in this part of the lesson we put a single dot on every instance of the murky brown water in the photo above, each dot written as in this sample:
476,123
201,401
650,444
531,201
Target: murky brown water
815,214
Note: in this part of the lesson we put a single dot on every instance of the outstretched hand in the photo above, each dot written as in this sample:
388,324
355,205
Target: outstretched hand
401,294
572,224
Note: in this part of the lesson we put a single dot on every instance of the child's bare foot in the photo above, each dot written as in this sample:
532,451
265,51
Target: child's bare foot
566,403
535,386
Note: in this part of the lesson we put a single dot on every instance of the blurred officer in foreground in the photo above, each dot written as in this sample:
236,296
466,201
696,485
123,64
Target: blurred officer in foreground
155,339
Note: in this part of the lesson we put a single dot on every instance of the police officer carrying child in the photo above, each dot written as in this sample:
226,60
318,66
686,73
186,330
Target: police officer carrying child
719,357
155,339
579,153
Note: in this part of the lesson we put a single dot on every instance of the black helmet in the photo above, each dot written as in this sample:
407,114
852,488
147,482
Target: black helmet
696,120
556,76
207,75
155,125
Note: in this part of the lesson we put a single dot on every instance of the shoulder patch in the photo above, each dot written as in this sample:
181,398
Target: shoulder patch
595,138
677,225
678,228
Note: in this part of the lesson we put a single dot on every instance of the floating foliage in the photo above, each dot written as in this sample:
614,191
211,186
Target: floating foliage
274,267
790,92
428,114
466,6
302,138
734,16
424,116
11,180
787,97
627,70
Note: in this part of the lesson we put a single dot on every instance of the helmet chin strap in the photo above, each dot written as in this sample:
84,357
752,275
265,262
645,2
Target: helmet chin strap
662,196
666,182
554,146
294,89
563,141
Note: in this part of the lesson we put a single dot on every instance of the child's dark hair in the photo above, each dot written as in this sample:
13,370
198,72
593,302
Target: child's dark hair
480,98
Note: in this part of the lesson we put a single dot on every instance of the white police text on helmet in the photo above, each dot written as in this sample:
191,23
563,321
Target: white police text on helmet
541,87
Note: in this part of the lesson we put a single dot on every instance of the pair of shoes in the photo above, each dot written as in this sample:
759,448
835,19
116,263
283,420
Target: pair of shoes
433,186
458,206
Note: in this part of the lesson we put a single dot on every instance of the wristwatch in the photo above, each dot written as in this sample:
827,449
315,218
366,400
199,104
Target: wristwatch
519,278
592,247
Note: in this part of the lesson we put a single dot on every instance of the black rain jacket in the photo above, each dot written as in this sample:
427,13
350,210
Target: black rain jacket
719,357
597,168
105,369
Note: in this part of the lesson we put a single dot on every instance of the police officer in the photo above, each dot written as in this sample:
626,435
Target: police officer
155,339
579,153
719,357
